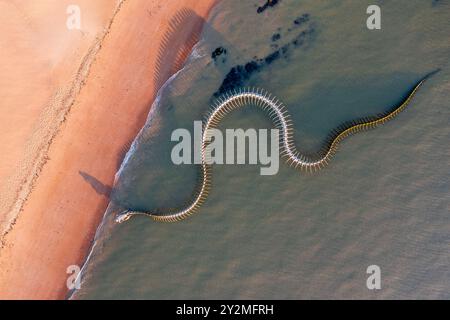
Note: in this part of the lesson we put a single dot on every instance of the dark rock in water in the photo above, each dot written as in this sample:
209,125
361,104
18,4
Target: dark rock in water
268,4
217,52
272,57
302,19
276,37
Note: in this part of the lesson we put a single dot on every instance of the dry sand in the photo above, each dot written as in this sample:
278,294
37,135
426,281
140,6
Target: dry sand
72,100
42,63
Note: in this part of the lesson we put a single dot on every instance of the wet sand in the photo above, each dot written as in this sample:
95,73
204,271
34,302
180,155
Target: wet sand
68,119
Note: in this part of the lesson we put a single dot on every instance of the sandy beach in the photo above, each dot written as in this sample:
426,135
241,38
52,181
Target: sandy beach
72,101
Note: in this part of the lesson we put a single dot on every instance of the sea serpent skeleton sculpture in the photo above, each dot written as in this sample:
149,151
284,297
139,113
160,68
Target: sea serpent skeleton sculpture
281,120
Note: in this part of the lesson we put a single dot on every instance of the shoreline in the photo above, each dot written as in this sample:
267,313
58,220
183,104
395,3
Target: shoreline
61,214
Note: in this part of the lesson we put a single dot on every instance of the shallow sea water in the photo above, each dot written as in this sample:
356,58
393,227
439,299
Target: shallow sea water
383,200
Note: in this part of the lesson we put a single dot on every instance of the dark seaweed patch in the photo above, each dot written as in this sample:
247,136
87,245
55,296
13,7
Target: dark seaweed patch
272,57
217,52
235,78
435,3
303,36
239,74
302,19
251,67
284,49
268,4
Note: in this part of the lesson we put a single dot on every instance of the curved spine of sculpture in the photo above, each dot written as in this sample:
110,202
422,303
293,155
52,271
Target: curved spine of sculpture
281,120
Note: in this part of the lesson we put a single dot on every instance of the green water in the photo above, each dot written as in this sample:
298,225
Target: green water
383,200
